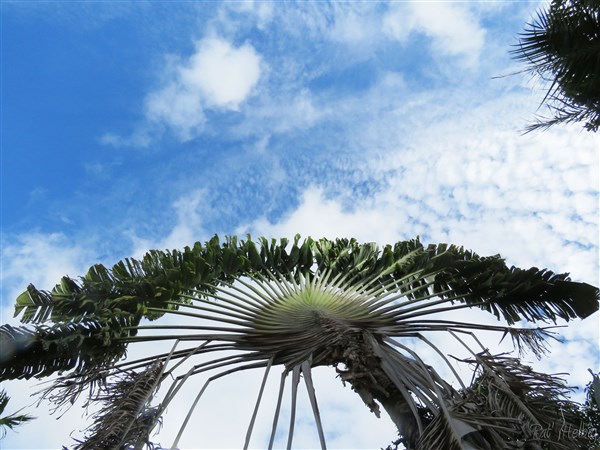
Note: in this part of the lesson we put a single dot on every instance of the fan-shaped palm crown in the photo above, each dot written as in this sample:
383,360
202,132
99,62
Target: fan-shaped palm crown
299,305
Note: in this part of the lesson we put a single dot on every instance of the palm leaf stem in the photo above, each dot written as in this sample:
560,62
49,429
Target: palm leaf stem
399,420
416,380
400,284
253,302
472,335
266,284
484,327
441,403
409,328
425,369
215,364
177,383
142,362
182,327
395,281
183,337
260,297
214,377
229,313
197,316
533,338
277,408
402,305
260,393
401,311
242,308
176,355
441,355
295,381
306,371
189,414
406,293
422,312
191,353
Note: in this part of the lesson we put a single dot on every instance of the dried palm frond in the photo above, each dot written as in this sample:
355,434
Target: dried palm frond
126,420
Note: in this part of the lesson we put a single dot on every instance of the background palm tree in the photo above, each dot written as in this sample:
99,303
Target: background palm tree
299,305
10,421
561,46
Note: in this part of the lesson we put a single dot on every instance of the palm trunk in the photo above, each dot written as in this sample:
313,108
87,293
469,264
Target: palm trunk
366,376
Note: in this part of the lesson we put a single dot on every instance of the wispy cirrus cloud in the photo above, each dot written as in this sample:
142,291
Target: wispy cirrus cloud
469,180
453,28
187,226
41,259
298,89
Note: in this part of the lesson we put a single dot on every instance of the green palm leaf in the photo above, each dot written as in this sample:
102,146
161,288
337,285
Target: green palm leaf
46,349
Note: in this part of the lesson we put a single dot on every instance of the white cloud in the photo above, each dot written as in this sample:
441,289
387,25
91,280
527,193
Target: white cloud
299,111
352,27
489,196
222,74
319,217
453,28
187,227
140,138
263,12
217,76
179,107
399,23
41,259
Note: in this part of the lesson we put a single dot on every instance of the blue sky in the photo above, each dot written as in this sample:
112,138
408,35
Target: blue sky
135,125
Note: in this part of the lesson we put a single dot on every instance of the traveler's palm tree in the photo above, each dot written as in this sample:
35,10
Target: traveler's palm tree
298,305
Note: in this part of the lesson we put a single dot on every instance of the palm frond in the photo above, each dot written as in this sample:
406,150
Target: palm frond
561,46
10,421
529,406
533,339
145,288
43,350
126,419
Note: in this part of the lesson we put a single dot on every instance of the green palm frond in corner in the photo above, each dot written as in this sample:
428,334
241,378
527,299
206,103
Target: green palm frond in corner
561,46
13,420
